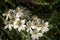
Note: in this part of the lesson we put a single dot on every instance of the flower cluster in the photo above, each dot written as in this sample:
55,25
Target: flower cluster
17,19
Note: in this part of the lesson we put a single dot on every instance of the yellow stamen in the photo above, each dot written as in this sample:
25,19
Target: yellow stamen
42,25
36,24
19,23
35,17
35,32
12,19
18,11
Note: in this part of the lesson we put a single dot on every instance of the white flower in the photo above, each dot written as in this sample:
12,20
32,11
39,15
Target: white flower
16,23
22,25
33,25
44,27
29,26
18,12
17,19
29,30
8,14
36,25
36,34
8,25
34,17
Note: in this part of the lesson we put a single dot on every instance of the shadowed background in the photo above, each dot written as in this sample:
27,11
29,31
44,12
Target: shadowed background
48,10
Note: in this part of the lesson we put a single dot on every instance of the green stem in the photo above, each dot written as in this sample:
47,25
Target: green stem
23,34
3,4
0,11
47,37
1,17
26,36
29,36
7,33
57,29
11,3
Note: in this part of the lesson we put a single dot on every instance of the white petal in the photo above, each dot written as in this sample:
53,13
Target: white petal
15,27
5,27
23,21
23,28
19,29
31,31
40,34
46,23
10,28
18,8
17,19
21,14
27,30
42,21
7,17
33,37
33,27
45,30
17,16
38,28
4,14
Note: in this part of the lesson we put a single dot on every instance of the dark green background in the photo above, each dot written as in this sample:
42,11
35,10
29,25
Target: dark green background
50,13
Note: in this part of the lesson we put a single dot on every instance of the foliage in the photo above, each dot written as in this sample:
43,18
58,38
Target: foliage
49,10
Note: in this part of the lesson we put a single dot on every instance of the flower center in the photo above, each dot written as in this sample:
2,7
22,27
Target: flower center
18,11
35,17
12,19
29,25
19,23
36,24
42,25
35,32
7,23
